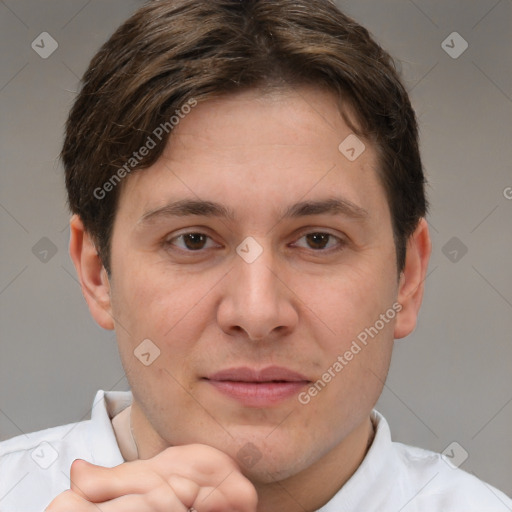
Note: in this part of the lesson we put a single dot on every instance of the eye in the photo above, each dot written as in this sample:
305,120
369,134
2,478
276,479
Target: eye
191,242
320,241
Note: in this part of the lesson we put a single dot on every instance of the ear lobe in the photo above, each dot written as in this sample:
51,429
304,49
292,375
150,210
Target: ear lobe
412,279
91,274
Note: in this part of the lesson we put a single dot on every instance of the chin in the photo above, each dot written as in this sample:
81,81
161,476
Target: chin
263,474
264,462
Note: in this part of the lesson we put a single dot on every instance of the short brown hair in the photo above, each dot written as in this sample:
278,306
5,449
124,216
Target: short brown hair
171,52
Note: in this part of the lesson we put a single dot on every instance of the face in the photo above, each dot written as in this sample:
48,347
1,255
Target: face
255,293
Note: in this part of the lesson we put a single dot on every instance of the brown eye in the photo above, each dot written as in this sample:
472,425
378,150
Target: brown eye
318,240
194,241
191,242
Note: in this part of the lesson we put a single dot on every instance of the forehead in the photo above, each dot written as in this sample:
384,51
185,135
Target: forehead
255,149
279,119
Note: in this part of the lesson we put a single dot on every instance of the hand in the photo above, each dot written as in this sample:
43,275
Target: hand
179,479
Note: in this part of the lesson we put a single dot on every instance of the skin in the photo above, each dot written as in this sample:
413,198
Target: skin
298,305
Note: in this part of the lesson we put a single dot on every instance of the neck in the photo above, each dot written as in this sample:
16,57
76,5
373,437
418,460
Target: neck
305,491
315,486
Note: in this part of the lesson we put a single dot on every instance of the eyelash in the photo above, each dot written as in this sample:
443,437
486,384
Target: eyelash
341,243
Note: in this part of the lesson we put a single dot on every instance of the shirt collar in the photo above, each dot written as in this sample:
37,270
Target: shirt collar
373,476
106,405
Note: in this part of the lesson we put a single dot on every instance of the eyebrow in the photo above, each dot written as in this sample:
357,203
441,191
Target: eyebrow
189,207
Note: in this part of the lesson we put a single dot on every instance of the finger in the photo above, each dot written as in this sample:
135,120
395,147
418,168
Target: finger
160,499
68,500
234,492
97,484
187,490
195,461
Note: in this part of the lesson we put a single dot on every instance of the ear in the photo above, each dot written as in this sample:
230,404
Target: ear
91,273
412,279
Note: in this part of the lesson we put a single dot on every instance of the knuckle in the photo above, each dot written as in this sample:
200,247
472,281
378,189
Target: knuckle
76,467
244,497
161,498
210,450
185,489
220,458
201,456
63,502
239,495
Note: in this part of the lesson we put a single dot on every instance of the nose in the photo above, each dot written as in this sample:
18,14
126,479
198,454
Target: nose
257,302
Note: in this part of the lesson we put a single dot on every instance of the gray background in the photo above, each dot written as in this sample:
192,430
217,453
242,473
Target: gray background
449,381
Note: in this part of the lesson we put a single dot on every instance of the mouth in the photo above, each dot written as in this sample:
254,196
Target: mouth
258,388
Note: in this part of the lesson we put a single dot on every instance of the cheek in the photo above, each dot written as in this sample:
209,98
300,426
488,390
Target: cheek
151,303
354,367
354,328
348,302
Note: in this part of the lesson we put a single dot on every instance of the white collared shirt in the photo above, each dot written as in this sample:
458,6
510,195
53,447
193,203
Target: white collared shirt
393,477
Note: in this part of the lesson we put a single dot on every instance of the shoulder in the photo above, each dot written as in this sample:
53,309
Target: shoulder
25,443
34,467
439,485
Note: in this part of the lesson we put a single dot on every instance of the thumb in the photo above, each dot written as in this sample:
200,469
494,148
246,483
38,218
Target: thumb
98,484
84,479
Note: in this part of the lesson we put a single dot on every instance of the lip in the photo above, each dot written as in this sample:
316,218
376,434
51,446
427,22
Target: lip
258,388
268,374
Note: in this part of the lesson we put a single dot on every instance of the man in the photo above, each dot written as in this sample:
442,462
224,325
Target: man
249,216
